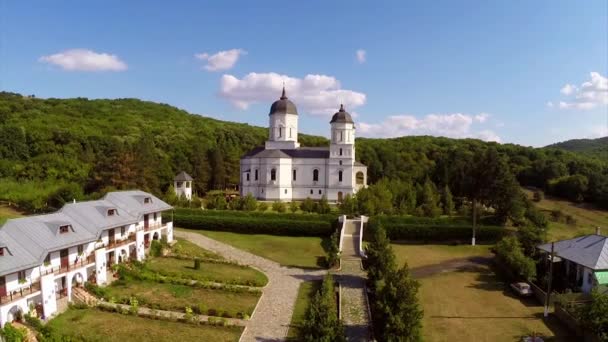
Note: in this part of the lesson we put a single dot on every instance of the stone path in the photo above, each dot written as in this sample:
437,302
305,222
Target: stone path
351,276
272,316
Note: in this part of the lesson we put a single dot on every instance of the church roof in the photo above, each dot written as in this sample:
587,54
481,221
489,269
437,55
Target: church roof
283,106
342,116
302,152
183,177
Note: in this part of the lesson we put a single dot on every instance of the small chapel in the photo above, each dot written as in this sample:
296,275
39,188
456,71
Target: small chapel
282,170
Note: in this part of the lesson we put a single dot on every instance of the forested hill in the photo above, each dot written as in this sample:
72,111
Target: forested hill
594,147
57,149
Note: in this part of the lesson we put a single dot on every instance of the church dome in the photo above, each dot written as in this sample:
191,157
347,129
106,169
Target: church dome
342,116
283,106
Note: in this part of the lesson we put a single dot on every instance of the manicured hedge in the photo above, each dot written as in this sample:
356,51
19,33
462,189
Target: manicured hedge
437,232
256,214
273,224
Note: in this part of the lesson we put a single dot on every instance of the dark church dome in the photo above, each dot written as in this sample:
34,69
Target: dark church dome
283,106
342,116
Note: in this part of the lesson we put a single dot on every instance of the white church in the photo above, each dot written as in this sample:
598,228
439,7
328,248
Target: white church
282,170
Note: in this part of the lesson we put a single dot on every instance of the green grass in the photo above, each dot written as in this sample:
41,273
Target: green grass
304,252
95,325
7,212
172,297
423,255
587,218
209,271
187,248
305,293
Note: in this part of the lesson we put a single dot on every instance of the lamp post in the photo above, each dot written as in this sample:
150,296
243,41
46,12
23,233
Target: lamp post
548,294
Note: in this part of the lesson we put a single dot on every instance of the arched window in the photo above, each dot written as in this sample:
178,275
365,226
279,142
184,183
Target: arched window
315,175
341,136
360,178
340,151
340,176
256,174
294,175
280,131
273,174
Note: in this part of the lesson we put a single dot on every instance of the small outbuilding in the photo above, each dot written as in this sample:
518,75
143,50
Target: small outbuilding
183,185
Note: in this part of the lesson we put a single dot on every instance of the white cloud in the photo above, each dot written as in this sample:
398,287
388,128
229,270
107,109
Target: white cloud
361,56
316,94
588,95
222,60
482,117
456,125
550,104
85,60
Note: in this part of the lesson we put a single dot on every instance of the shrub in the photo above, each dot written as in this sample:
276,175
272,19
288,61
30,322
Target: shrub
279,207
12,334
293,207
262,206
510,253
538,196
333,252
321,321
308,205
155,248
322,207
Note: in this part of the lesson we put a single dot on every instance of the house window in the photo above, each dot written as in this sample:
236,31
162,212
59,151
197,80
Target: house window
122,231
286,191
80,249
360,178
21,276
64,229
188,185
148,200
294,175
112,212
340,151
311,191
256,174
247,176
320,192
155,216
340,176
273,174
315,175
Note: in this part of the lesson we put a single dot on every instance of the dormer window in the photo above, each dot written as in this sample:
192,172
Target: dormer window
111,212
147,200
64,229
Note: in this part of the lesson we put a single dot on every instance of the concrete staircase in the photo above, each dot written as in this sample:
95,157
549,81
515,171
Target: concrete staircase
80,295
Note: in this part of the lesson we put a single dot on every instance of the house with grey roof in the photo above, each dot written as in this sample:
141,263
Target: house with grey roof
282,170
43,257
182,184
580,263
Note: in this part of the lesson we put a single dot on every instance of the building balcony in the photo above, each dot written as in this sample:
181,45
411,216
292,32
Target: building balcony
118,243
18,294
154,227
66,267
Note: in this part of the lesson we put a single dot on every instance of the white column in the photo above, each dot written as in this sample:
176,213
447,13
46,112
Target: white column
139,245
169,231
101,267
49,298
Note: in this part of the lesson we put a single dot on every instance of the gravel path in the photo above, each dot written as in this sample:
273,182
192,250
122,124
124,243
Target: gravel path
272,316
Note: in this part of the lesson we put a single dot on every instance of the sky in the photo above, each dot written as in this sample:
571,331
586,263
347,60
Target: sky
525,72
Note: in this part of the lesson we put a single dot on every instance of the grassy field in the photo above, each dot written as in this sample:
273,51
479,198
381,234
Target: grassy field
94,325
587,218
423,255
305,293
304,252
177,297
209,271
7,212
476,306
187,248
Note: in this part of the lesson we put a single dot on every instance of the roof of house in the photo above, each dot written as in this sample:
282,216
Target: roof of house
183,177
590,251
29,239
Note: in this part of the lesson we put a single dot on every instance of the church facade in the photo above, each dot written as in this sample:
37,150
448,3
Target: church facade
282,170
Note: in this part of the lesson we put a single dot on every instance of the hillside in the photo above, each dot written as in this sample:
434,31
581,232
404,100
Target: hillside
53,150
593,147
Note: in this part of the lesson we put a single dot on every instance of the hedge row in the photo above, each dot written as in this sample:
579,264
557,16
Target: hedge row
439,233
257,214
437,221
255,225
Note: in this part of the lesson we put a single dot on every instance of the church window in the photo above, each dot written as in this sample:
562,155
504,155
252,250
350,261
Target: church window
294,175
340,151
256,174
273,174
285,191
320,192
340,176
340,135
247,174
340,162
311,191
280,131
315,175
360,178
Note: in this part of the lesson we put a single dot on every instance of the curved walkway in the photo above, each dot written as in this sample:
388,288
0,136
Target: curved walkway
272,316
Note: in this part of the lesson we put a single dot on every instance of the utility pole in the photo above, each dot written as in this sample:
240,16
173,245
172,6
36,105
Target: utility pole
548,294
474,220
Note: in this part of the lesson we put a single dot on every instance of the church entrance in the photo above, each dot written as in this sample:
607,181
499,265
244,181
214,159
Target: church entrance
339,196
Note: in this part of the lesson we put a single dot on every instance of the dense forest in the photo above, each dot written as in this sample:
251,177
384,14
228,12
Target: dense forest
52,150
593,147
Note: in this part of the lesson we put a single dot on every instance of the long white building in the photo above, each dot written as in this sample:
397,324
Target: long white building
43,257
282,170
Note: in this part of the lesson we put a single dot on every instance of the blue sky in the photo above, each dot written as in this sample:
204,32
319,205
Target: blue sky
526,72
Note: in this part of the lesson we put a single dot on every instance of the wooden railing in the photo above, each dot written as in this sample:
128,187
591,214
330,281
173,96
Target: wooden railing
22,292
154,227
78,264
117,243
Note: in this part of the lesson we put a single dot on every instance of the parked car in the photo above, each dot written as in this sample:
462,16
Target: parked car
522,289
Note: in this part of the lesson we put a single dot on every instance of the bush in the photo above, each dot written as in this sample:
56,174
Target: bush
262,206
538,196
308,205
12,334
155,248
279,207
333,252
181,212
510,253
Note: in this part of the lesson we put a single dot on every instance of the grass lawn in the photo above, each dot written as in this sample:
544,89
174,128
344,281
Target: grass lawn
423,255
474,306
187,248
7,212
587,218
304,252
305,293
177,297
209,271
95,325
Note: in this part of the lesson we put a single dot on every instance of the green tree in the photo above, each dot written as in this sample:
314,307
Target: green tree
308,205
279,207
249,203
380,259
322,206
321,321
170,196
262,206
595,316
333,252
294,206
447,201
510,252
348,205
429,203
